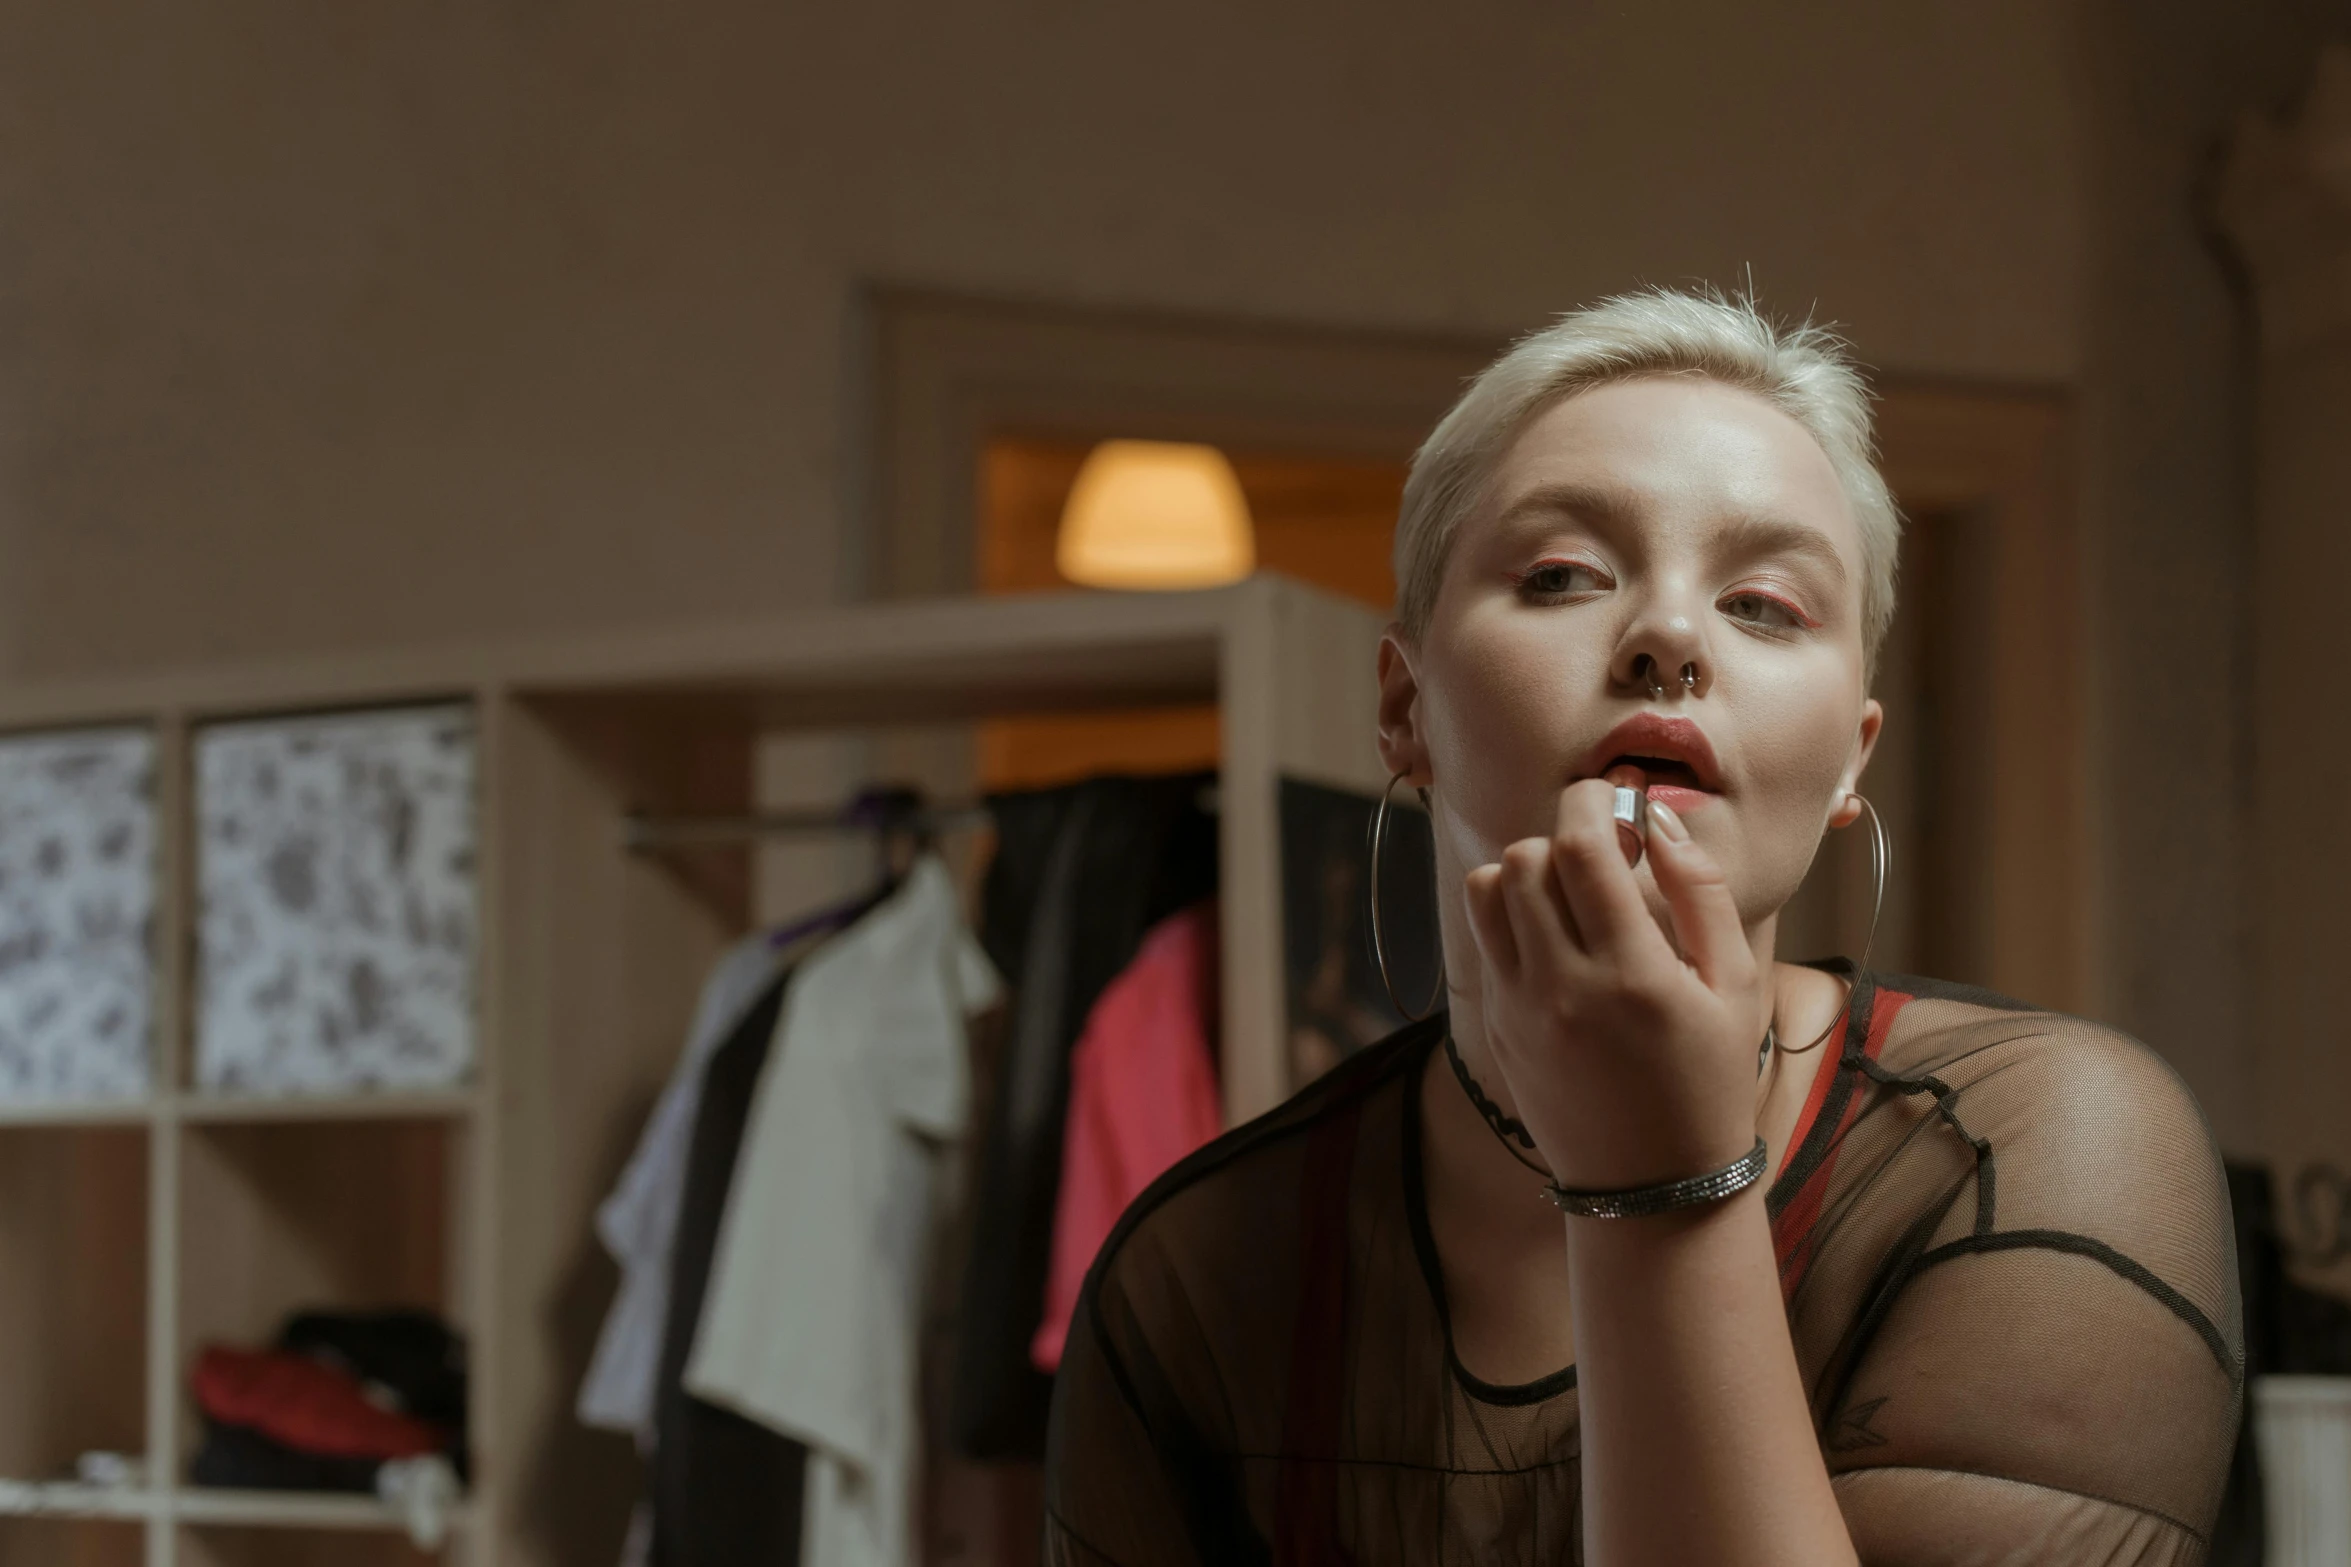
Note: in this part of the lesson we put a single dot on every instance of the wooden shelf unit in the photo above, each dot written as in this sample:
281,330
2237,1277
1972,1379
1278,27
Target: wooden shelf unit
589,961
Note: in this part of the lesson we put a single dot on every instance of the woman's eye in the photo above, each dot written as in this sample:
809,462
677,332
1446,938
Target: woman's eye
1559,578
1762,609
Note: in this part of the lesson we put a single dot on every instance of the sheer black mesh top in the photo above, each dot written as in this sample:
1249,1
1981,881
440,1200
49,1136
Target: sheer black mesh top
2004,1243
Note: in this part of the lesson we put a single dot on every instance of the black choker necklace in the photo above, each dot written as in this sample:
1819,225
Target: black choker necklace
1512,1133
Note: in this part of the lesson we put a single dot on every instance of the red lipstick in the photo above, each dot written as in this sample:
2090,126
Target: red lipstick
1631,810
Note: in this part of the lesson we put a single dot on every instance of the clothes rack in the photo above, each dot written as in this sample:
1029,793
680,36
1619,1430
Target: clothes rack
643,833
871,810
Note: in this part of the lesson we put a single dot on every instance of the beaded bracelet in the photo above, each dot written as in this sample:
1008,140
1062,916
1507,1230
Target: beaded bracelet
1640,1201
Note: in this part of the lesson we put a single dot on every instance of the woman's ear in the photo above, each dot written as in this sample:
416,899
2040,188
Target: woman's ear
1401,746
1873,719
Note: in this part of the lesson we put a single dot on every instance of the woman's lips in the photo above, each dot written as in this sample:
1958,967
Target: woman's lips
1648,739
1668,758
1680,799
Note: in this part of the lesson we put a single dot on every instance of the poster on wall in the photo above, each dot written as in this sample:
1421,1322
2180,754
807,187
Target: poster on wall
77,913
1337,1003
336,912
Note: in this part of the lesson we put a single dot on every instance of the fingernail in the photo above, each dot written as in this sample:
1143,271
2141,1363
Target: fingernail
1662,819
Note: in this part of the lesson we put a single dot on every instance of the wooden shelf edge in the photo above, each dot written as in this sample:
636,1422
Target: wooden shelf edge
77,1112
291,1510
72,1499
434,1104
808,646
217,1109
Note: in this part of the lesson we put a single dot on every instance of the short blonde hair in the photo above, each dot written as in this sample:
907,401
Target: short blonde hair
1803,371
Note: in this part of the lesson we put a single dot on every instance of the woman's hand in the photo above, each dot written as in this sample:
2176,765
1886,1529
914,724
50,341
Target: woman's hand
1630,1062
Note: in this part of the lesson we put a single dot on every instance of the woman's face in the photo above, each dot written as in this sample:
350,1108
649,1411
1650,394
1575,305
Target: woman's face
1631,532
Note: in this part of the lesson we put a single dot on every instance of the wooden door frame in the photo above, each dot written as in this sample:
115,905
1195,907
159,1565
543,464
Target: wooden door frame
2001,456
948,372
943,373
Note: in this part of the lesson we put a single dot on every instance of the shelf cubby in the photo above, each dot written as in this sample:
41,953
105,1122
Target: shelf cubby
292,1215
73,1295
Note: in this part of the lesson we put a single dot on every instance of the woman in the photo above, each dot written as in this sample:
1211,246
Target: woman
1835,1267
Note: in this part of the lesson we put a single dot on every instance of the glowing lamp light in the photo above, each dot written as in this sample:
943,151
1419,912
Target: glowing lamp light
1155,514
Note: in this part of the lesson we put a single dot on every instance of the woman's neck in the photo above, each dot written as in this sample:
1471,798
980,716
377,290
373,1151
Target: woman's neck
1498,1242
1464,996
1801,1004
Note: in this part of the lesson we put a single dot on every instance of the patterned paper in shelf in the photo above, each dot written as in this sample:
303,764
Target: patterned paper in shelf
336,906
77,905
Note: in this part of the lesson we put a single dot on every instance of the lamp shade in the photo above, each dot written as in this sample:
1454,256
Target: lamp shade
1155,514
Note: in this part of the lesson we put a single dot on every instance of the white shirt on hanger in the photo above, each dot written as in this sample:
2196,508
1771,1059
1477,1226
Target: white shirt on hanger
638,1222
815,1292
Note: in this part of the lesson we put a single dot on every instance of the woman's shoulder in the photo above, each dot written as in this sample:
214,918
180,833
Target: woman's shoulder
1965,1034
2092,1108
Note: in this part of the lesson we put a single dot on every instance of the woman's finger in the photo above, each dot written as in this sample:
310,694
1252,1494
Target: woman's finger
1489,921
1539,918
1587,863
1705,916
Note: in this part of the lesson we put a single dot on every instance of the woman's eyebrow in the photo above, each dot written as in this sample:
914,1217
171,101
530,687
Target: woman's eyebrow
1593,503
1750,536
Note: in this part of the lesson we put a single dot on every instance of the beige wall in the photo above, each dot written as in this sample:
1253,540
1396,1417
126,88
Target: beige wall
2167,491
330,325
325,326
2288,217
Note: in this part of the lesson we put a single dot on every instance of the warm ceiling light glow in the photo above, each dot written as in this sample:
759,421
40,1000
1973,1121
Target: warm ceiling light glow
1155,514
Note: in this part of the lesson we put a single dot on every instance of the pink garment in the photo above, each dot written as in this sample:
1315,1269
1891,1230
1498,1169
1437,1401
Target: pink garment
1142,1095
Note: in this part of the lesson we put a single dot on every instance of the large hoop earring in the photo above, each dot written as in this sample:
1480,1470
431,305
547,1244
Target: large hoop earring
1379,946
1881,863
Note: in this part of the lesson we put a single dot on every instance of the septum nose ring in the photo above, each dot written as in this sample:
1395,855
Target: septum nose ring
1657,687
